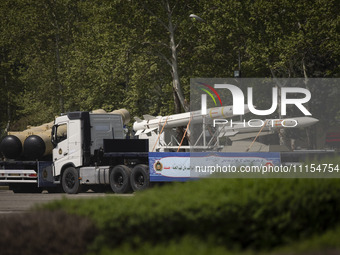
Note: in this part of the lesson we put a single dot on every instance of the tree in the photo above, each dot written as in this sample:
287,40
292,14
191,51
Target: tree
63,55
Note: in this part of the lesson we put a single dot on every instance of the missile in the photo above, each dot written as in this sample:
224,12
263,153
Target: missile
98,111
123,112
152,123
229,129
39,144
12,145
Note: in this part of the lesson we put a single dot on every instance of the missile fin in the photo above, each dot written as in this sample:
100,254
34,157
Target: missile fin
138,132
149,117
138,119
149,130
243,136
230,133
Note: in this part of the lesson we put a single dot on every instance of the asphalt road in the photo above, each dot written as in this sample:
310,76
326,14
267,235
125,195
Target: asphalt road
18,203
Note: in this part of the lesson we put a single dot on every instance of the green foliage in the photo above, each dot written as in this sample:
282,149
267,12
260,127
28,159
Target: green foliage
65,55
187,245
327,243
317,244
232,213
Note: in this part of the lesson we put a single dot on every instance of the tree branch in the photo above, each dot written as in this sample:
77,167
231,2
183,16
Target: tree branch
158,19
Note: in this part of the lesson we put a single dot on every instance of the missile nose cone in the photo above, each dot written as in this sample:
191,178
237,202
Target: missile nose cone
306,121
11,147
313,120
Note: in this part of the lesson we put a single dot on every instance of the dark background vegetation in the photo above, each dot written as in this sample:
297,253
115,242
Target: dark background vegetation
65,55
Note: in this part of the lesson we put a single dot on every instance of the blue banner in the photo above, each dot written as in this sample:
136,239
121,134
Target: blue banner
181,166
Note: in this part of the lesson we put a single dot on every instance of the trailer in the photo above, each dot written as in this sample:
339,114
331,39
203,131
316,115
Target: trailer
90,150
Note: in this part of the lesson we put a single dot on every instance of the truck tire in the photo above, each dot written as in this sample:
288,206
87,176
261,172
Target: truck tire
120,179
140,177
70,181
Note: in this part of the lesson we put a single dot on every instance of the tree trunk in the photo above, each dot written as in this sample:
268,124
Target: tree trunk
308,130
174,66
281,132
8,106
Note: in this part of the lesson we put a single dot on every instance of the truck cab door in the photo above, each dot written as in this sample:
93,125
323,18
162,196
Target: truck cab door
67,141
60,142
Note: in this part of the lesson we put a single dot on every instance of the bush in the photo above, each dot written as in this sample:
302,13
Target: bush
45,233
326,243
234,213
187,245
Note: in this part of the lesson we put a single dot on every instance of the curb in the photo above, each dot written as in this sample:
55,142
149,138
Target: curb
3,187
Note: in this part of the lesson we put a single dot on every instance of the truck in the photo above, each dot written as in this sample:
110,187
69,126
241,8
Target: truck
89,151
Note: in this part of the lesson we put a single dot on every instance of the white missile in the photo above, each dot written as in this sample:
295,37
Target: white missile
231,128
151,123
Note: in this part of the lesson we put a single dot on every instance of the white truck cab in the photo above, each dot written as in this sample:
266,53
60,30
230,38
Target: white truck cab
78,138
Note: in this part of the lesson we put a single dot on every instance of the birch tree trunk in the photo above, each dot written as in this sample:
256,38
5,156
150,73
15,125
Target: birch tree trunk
179,97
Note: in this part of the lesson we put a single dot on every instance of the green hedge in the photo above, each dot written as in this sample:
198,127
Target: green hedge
326,243
233,213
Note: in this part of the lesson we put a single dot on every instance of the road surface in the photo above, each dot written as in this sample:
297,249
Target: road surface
17,203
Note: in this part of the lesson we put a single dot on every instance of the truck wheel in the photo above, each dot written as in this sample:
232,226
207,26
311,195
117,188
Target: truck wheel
70,181
120,179
140,178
